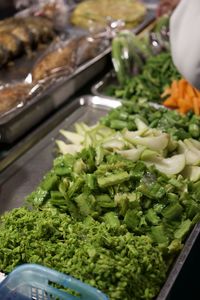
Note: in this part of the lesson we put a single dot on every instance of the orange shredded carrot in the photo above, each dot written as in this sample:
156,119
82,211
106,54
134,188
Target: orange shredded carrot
182,96
190,91
182,87
196,105
170,102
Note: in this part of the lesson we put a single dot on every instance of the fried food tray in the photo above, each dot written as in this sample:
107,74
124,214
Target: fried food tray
17,122
26,172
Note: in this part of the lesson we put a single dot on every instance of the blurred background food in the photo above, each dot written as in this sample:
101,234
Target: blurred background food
92,13
19,35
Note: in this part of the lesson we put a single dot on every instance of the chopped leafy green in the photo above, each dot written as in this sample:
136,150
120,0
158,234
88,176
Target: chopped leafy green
170,121
104,255
158,72
124,192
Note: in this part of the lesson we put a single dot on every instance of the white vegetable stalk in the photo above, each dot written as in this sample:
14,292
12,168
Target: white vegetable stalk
157,143
192,154
132,154
68,148
73,137
192,173
169,166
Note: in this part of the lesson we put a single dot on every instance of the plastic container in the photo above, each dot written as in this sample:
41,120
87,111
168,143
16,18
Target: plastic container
31,281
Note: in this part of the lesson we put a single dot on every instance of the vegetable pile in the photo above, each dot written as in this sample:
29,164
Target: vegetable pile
179,126
119,191
93,215
152,146
182,96
89,250
140,74
158,72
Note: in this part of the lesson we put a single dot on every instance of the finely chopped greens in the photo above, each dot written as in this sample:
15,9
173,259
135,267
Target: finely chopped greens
92,217
120,264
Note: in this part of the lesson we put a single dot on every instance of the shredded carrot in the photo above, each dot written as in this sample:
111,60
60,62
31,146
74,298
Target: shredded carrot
182,96
196,105
171,102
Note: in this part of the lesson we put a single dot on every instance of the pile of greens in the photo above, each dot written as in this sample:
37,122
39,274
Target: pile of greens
92,216
143,65
179,126
119,191
158,72
122,265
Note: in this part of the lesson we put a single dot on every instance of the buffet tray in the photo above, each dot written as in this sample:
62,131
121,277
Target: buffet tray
101,87
16,123
27,171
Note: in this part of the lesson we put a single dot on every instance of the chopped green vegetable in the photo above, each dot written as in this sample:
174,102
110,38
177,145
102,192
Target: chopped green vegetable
158,72
170,121
139,196
104,255
113,179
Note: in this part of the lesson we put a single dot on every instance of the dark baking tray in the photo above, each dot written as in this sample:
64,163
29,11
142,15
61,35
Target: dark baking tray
17,122
21,178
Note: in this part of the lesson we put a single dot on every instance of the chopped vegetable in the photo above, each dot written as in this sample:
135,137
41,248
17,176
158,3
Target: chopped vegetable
192,154
156,143
183,97
120,187
93,252
158,72
179,126
169,166
147,144
191,172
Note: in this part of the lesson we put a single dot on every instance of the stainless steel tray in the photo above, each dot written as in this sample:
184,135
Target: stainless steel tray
17,122
101,87
22,177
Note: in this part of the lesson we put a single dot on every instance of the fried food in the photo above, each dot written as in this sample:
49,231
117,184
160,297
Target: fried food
96,13
3,55
63,57
13,95
11,43
23,34
40,27
18,29
74,53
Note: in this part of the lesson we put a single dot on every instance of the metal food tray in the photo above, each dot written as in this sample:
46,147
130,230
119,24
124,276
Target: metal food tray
25,174
100,88
17,122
